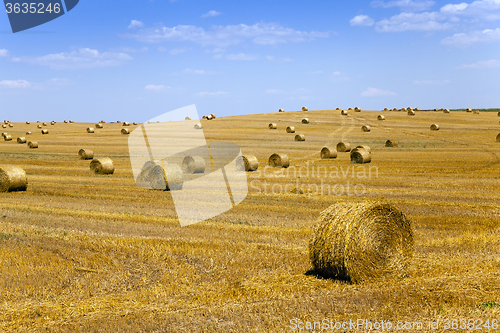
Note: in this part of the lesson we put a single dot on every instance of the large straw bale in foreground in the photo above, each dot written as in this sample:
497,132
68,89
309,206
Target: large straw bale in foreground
361,241
247,163
279,161
166,177
12,178
361,155
102,166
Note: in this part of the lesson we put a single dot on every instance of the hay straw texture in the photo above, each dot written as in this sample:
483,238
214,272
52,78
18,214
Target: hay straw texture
27,123
357,109
469,110
4,126
273,126
343,147
11,125
157,177
281,110
411,112
126,123
290,129
12,178
474,112
362,241
359,155
39,126
300,137
85,154
328,152
391,143
367,148
21,139
446,111
380,117
279,161
305,121
28,133
7,137
434,127
102,166
4,134
344,113
304,108
193,164
198,126
32,144
366,128
187,118
65,121
90,130
498,137
247,163
99,125
125,131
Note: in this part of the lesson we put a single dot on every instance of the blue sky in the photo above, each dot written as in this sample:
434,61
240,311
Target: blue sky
137,59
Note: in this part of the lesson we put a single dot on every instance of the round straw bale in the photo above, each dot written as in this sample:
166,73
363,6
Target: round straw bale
498,114
4,126
386,109
474,112
44,124
27,123
197,126
360,156
39,126
361,241
102,121
6,121
71,121
366,128
279,161
446,111
344,112
305,121
434,127
468,110
187,118
357,109
209,117
32,144
86,154
11,125
247,163
193,164
44,131
290,129
328,152
99,125
411,112
21,139
118,122
12,178
417,109
125,131
28,133
102,166
403,109
213,116
381,117
281,110
409,108
304,108
126,123
391,143
273,126
52,122
498,137
436,110
90,130
350,109
134,123
7,137
300,137
4,134
343,147
65,121
204,117
157,177
367,148
395,109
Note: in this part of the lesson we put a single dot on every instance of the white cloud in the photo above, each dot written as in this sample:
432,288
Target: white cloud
217,93
374,92
426,21
407,5
135,24
156,88
362,21
196,71
241,56
493,63
488,10
3,52
211,13
431,82
222,36
84,58
475,37
15,84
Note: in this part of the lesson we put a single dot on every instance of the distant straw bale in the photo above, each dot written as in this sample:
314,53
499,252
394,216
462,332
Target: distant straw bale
380,117
305,121
32,144
21,139
360,155
4,126
125,131
290,129
328,152
193,164
197,126
27,123
475,112
166,177
134,123
4,134
304,108
357,109
366,128
126,123
28,133
391,143
362,241
367,148
11,125
300,137
247,163
39,126
86,154
386,109
411,112
7,137
273,126
187,118
468,110
44,124
102,166
344,113
281,110
90,130
12,178
44,131
279,161
99,125
343,147
434,127
446,111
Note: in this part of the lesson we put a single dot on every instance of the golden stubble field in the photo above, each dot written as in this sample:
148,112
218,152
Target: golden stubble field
87,253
